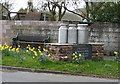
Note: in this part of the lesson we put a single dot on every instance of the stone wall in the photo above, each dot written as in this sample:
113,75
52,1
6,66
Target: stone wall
59,51
107,33
11,28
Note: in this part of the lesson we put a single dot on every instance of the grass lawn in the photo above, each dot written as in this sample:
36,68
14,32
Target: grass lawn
104,68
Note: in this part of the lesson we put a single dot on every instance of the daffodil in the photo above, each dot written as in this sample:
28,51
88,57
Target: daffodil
73,57
10,47
32,50
35,53
6,47
27,50
40,51
5,44
80,55
13,49
115,52
41,54
66,56
18,46
97,54
0,45
77,59
33,57
2,48
28,45
17,49
39,47
73,54
9,50
49,55
44,49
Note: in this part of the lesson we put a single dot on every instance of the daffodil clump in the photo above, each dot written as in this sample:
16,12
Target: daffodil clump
37,53
5,49
18,53
77,58
117,56
10,51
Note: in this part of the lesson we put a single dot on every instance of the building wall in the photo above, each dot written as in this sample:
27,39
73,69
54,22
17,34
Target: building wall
107,33
3,12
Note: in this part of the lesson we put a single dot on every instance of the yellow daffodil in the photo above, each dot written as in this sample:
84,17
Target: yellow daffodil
2,48
39,47
73,58
44,49
73,54
9,50
27,50
36,54
32,50
66,56
49,55
28,45
97,54
41,54
115,52
17,49
33,57
6,47
77,59
0,45
10,47
80,55
13,49
5,44
18,46
39,51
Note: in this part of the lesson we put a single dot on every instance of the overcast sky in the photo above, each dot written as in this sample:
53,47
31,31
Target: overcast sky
23,4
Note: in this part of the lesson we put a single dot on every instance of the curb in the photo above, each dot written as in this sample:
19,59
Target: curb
54,72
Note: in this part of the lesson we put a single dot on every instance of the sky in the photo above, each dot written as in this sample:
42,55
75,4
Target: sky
23,4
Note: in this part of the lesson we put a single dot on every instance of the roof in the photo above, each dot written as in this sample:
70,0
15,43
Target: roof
34,15
71,17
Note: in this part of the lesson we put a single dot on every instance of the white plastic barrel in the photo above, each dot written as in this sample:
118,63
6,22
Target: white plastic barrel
72,34
62,37
83,34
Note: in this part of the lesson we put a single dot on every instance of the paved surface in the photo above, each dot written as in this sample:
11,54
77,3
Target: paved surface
16,76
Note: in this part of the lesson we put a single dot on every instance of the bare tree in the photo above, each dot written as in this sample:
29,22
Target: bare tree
55,7
7,4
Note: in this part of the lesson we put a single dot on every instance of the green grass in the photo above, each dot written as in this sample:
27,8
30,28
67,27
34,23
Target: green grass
104,67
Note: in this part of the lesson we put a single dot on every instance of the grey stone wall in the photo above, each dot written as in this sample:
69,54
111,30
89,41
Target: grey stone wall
11,28
107,33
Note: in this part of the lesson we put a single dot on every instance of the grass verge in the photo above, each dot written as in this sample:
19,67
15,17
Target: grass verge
104,67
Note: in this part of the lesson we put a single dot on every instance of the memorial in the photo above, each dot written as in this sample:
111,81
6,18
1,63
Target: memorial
76,42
